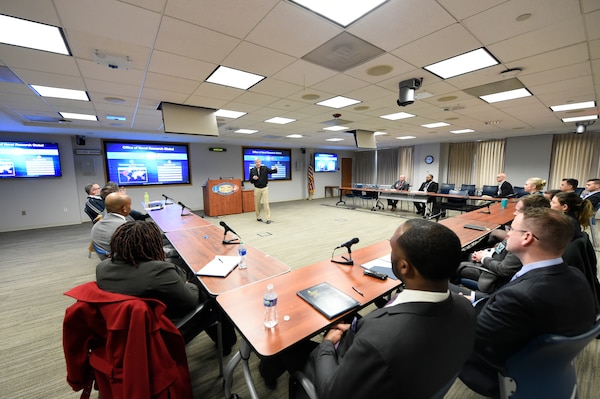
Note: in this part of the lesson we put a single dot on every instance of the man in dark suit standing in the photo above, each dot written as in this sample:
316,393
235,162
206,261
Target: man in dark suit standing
429,186
425,322
545,297
259,176
505,189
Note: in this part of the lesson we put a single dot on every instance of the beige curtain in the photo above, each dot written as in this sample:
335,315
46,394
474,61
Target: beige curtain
405,163
387,166
364,167
574,156
461,162
489,162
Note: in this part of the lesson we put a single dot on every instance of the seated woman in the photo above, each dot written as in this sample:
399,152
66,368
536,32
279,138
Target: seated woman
535,185
137,267
580,211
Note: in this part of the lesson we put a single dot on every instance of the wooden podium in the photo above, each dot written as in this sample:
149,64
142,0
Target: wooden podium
222,197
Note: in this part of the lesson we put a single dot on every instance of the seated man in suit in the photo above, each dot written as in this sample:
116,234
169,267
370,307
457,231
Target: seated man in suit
94,204
400,184
505,189
568,185
592,192
118,206
400,350
429,186
545,297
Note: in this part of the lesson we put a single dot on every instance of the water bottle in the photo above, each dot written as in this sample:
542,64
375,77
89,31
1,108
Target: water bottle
270,302
147,199
242,254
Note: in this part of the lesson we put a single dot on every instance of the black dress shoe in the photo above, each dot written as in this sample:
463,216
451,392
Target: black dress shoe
259,220
268,222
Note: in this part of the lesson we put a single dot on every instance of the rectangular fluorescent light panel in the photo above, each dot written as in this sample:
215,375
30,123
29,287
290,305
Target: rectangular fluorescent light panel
436,124
570,107
116,118
280,121
334,139
336,128
83,117
342,12
229,114
338,102
294,136
396,116
580,118
57,92
246,131
406,137
234,78
506,95
462,131
461,64
19,32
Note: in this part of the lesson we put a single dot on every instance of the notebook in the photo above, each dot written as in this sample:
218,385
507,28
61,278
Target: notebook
220,266
328,300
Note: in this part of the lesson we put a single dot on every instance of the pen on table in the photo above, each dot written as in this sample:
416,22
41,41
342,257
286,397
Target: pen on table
359,291
220,260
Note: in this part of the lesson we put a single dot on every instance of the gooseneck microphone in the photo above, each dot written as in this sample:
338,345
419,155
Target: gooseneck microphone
227,228
348,244
167,199
183,208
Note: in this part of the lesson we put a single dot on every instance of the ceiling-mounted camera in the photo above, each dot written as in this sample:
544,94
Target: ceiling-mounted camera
407,91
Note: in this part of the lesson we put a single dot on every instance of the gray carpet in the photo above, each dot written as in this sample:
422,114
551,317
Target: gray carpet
39,265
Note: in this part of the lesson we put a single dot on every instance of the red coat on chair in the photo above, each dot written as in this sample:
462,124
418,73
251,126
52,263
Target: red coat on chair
125,344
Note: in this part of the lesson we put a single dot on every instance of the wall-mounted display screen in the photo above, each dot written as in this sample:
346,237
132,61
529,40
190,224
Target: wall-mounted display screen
28,159
326,162
271,157
143,163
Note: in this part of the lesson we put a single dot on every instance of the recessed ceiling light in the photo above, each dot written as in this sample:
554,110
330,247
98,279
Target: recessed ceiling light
436,124
83,117
310,97
580,118
338,102
57,92
379,70
294,136
570,107
116,118
246,131
379,133
334,139
336,128
342,12
461,64
19,32
280,121
461,131
114,100
234,78
406,137
396,116
506,95
229,114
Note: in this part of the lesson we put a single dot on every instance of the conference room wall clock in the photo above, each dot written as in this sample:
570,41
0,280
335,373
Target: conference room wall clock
429,159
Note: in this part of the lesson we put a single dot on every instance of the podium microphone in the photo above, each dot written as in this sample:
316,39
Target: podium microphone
167,199
227,228
348,244
183,207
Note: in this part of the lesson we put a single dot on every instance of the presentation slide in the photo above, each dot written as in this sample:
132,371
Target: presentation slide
26,159
271,157
131,164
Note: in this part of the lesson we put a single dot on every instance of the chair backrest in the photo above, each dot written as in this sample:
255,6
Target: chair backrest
544,368
446,187
462,193
519,191
469,187
489,190
579,190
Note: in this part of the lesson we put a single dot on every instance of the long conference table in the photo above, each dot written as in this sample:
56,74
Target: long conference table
240,293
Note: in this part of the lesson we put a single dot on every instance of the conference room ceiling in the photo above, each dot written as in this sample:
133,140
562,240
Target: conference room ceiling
170,47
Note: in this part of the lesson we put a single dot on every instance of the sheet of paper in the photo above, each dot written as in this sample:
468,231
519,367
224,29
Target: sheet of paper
381,265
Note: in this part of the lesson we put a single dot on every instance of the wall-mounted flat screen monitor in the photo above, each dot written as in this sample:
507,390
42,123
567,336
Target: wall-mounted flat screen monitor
326,162
271,157
144,163
28,160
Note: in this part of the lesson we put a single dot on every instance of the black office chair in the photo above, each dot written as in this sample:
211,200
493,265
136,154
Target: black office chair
446,187
544,367
489,190
456,204
579,190
470,188
519,192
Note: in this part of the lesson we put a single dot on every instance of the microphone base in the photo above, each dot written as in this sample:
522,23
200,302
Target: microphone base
233,241
343,262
